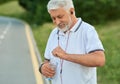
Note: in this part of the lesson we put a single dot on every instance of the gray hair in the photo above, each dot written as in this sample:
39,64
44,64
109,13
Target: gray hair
55,4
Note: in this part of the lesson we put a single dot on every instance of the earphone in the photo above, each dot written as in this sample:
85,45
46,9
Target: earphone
71,12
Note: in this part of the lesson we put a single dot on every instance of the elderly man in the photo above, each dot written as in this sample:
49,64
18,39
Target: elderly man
74,47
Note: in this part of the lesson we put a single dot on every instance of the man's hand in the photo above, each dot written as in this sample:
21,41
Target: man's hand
47,71
59,52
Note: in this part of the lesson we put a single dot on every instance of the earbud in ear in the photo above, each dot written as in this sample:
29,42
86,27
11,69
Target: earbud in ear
71,12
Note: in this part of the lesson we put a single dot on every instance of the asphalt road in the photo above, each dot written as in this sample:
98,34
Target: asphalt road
16,65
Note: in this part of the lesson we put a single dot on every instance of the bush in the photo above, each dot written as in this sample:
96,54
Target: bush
93,11
96,11
36,11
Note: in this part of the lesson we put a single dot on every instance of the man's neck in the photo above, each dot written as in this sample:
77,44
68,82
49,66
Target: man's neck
74,21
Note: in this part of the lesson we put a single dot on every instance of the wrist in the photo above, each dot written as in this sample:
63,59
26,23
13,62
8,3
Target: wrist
65,56
40,68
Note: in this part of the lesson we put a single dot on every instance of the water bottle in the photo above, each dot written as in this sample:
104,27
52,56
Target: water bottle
53,65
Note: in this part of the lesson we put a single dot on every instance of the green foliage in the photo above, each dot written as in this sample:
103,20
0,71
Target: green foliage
4,1
11,9
92,11
37,11
109,33
95,11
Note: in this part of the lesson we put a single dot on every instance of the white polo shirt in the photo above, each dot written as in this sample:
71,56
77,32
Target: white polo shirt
82,39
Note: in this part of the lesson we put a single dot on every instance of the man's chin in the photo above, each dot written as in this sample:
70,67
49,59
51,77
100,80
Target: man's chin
63,29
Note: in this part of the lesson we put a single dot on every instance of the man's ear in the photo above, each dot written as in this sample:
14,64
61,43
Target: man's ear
71,11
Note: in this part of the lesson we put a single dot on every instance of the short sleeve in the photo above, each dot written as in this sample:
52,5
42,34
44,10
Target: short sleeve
47,50
93,42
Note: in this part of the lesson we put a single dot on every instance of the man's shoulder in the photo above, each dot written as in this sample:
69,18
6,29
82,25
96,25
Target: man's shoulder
87,27
86,24
54,30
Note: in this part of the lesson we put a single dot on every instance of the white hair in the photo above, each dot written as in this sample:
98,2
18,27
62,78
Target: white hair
55,4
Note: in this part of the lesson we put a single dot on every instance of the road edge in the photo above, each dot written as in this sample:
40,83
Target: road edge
39,78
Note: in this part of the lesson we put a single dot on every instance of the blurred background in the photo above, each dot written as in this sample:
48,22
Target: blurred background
103,14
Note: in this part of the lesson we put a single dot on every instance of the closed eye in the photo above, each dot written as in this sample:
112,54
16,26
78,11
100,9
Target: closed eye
60,16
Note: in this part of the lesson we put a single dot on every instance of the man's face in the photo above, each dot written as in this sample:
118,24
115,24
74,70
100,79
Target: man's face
61,18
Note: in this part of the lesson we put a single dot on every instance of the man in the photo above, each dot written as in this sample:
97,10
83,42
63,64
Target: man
74,45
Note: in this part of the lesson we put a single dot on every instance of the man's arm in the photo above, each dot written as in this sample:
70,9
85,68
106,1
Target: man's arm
93,59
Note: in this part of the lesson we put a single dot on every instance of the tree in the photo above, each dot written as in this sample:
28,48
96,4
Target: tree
4,1
93,11
36,10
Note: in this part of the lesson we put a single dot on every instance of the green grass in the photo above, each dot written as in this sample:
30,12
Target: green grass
108,32
12,9
110,35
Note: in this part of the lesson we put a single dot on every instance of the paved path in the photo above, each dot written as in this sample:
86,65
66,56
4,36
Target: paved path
18,64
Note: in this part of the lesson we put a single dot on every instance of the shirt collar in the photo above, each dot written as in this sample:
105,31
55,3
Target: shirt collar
77,25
